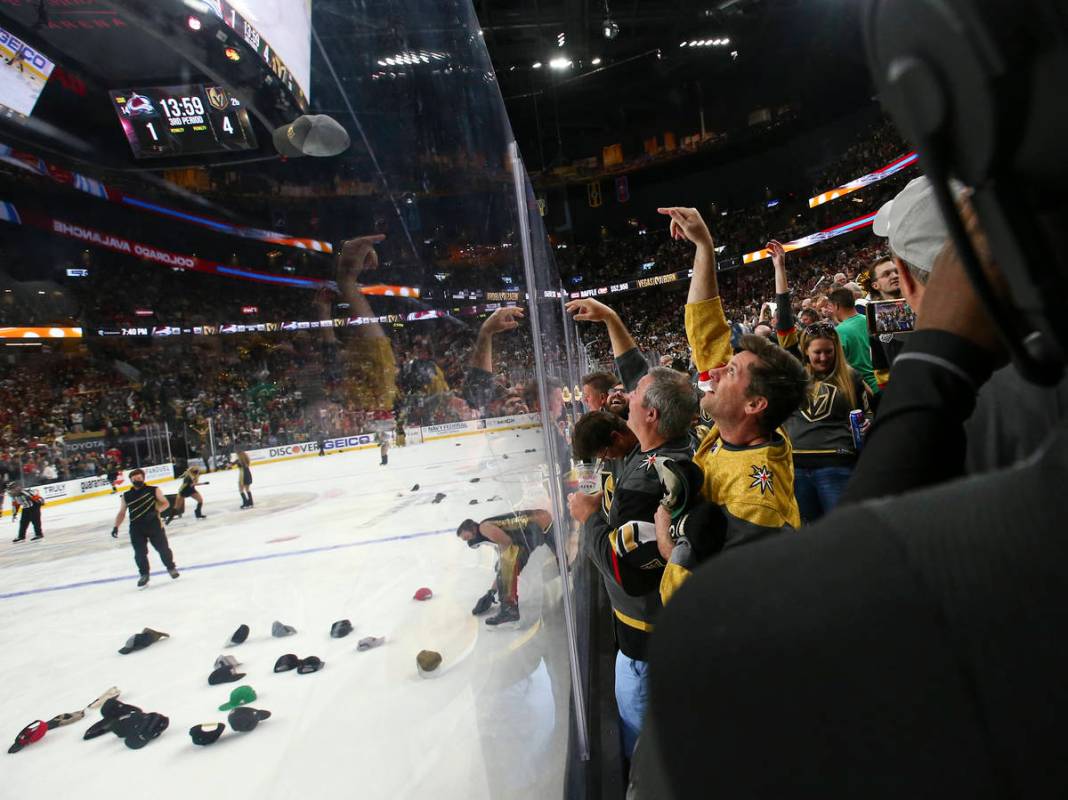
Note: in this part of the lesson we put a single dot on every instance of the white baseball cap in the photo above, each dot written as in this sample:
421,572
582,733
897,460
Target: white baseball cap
913,225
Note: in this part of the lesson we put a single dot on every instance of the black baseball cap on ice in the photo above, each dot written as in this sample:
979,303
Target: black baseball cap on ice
224,674
207,732
246,718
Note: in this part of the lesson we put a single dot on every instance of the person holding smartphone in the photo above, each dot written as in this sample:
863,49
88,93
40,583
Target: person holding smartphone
824,451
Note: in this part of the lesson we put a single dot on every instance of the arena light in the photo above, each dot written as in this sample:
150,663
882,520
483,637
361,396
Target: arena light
560,63
561,39
194,23
233,53
596,62
536,65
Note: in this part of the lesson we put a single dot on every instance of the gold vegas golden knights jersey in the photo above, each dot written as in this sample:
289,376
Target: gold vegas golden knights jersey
754,486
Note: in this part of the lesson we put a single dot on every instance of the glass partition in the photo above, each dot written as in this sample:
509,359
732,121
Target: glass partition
281,262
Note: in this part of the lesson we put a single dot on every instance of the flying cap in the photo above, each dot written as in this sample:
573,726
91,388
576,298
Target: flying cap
207,732
226,661
913,225
33,732
245,719
287,662
238,636
340,629
370,642
427,661
310,664
139,641
279,630
240,696
224,674
147,728
311,135
422,594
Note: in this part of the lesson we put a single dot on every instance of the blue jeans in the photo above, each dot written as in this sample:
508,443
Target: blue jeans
818,490
632,689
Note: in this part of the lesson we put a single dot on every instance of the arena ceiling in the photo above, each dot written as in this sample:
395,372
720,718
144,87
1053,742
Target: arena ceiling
643,80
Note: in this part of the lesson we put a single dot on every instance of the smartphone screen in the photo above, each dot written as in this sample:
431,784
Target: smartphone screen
889,317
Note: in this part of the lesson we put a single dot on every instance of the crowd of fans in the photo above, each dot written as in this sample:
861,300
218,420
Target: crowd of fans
263,390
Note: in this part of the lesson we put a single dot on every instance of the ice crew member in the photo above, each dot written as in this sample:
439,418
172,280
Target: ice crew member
144,504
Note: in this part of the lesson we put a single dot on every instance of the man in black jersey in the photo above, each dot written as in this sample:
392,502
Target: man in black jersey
144,504
516,536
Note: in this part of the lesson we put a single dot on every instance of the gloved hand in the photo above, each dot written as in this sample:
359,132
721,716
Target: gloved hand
485,603
115,532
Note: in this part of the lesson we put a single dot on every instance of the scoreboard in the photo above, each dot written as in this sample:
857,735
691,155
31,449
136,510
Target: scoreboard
172,121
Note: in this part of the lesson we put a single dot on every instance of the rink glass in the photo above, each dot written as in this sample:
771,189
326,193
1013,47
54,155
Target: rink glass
175,292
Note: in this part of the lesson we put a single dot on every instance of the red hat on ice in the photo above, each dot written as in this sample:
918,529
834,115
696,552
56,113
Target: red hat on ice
423,594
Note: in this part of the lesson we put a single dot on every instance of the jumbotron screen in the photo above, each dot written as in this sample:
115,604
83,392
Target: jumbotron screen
170,121
23,74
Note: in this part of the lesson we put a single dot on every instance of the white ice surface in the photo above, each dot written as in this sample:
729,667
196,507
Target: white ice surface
330,538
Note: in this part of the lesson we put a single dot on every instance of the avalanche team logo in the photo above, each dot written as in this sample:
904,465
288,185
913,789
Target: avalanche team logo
138,105
762,479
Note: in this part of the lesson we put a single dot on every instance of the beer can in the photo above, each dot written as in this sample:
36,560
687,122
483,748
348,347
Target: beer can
856,419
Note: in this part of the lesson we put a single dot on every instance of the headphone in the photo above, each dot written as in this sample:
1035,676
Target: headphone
977,87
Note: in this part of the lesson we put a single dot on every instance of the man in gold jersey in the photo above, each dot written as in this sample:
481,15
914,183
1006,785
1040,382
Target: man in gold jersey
746,459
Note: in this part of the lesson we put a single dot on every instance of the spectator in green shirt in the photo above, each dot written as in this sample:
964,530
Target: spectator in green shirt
852,331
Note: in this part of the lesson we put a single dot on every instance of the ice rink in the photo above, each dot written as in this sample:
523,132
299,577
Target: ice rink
329,538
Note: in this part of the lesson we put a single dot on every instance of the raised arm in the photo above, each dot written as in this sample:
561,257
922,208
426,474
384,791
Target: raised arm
785,329
590,310
707,330
503,319
687,225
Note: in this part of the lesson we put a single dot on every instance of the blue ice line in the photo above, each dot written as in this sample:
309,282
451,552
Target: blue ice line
229,562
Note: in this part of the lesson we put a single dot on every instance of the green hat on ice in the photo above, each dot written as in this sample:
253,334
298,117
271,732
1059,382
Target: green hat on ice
242,695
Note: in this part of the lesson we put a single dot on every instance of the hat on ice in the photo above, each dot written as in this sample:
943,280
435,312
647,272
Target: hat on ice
427,661
110,693
279,630
247,718
33,732
287,662
422,594
310,664
114,709
225,674
240,696
226,661
60,720
207,732
340,629
99,728
238,636
147,727
370,642
139,641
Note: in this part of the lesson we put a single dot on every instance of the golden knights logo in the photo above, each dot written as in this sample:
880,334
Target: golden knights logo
762,479
218,98
820,401
608,491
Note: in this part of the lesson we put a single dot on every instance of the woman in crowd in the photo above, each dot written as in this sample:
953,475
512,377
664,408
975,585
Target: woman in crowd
824,449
